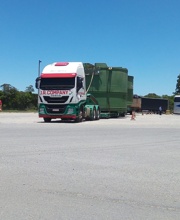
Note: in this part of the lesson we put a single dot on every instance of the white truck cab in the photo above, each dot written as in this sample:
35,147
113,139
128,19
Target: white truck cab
62,91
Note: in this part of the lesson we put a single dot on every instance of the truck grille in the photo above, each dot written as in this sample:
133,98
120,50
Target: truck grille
56,99
55,109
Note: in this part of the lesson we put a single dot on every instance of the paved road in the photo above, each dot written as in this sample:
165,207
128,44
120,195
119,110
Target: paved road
103,170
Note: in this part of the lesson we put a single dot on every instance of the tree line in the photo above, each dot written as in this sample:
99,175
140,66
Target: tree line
13,99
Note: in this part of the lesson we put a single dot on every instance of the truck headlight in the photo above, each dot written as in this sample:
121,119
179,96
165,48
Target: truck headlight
70,111
41,111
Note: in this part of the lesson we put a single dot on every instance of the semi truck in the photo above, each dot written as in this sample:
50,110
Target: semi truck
82,91
150,105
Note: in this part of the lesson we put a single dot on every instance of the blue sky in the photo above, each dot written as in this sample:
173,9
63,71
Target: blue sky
140,35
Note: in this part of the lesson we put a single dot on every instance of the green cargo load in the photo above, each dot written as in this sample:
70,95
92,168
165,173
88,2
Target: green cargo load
111,86
130,90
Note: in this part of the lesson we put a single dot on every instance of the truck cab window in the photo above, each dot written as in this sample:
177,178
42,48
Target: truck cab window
57,83
79,83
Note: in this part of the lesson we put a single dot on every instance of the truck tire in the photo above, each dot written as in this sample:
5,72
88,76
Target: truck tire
47,119
80,115
123,114
98,114
93,115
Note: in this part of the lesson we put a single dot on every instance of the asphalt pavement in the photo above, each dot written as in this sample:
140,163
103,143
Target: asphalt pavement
110,169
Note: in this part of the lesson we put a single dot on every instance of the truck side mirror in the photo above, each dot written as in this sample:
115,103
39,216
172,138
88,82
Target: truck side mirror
37,84
79,83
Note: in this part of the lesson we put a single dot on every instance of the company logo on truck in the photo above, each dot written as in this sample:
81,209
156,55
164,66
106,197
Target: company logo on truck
54,92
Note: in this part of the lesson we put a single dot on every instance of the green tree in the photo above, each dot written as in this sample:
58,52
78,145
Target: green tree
9,96
23,100
29,89
152,95
13,99
177,90
6,87
171,101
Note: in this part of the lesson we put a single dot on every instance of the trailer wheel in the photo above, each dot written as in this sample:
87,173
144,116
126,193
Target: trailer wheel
123,114
98,114
93,115
47,119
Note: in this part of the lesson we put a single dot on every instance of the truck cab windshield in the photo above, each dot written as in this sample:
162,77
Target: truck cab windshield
57,83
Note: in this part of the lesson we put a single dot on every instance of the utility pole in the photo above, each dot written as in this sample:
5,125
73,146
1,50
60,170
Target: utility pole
39,64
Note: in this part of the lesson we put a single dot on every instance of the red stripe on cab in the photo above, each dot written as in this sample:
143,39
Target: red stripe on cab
58,75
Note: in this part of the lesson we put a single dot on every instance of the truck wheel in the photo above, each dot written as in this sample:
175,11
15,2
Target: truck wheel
98,114
93,115
80,116
47,119
123,114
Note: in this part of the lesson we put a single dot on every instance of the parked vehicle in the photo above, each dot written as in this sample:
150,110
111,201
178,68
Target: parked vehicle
150,105
177,104
0,105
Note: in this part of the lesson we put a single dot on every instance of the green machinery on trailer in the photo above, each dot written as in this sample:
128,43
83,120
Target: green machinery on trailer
111,86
